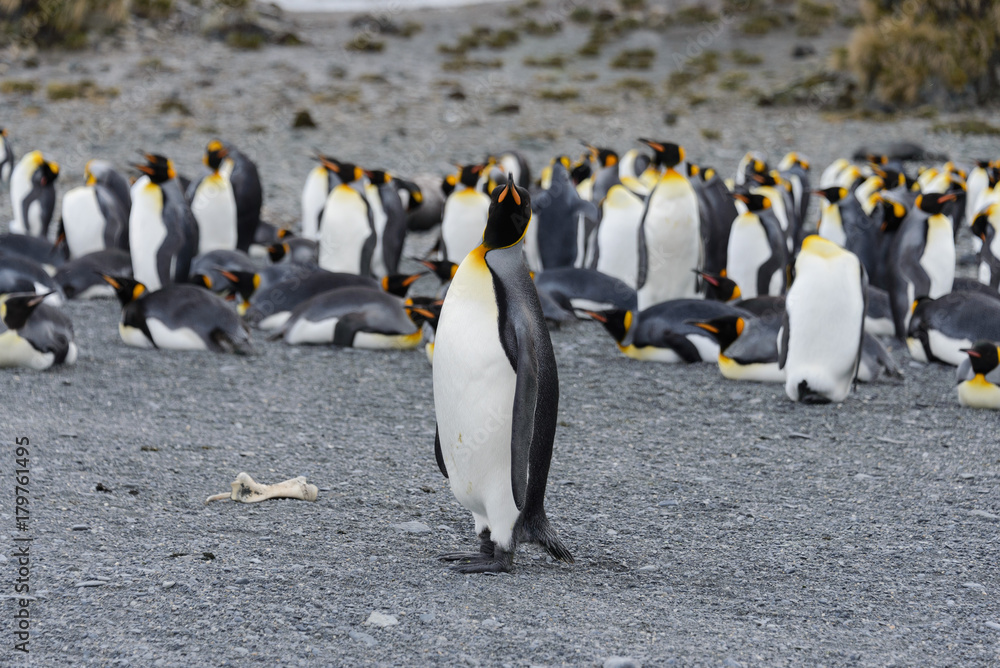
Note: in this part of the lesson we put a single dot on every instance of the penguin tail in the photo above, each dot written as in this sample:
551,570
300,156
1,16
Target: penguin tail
240,345
536,529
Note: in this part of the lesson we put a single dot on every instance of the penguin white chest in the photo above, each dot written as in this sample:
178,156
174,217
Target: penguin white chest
748,249
474,386
617,236
344,230
314,195
16,351
214,208
831,226
83,222
672,234
463,222
938,259
147,233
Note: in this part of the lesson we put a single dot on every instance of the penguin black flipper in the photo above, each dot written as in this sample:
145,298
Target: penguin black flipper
368,250
523,425
643,259
437,452
115,218
783,337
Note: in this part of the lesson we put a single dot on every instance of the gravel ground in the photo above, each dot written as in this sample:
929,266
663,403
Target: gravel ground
713,523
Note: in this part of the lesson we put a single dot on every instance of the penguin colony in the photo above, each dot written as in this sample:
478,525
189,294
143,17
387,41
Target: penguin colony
677,261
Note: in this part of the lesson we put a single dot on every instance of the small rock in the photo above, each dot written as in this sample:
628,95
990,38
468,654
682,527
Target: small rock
862,476
803,50
992,625
91,583
303,119
168,584
666,502
973,585
363,637
242,581
670,118
732,663
412,527
427,618
79,527
985,515
381,620
621,662
648,568
490,624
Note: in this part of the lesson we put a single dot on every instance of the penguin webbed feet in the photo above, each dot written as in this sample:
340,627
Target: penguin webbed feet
489,559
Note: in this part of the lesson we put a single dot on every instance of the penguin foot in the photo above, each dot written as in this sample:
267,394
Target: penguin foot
500,561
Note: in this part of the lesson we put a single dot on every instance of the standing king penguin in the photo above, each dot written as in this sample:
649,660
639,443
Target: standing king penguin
821,337
94,216
163,235
213,202
347,228
33,195
496,393
465,212
670,233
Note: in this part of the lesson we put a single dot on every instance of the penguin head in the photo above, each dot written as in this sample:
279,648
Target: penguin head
215,153
765,178
421,312
666,154
127,289
468,175
617,321
693,171
46,173
833,194
416,194
378,176
158,168
202,280
754,201
893,213
510,213
277,251
244,282
933,203
347,172
875,159
398,284
605,157
981,223
719,288
984,356
17,307
448,184
724,330
581,172
443,269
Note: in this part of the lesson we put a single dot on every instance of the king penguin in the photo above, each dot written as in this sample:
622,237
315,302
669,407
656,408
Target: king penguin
177,317
213,202
383,193
748,347
757,256
249,195
33,195
979,376
33,334
821,336
670,233
93,215
6,157
163,235
940,329
347,228
465,212
563,221
616,251
496,393
320,181
986,226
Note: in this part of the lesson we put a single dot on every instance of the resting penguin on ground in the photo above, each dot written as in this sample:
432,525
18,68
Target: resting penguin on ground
294,249
670,233
496,393
213,202
269,308
163,235
580,290
941,328
347,228
820,343
80,278
986,226
6,157
921,259
93,215
177,317
19,274
748,347
664,332
38,250
979,376
33,195
33,334
563,222
757,257
464,218
206,269
353,317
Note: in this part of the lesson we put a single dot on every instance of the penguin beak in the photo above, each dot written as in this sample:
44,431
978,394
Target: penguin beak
707,327
111,281
230,276
741,197
656,146
597,316
970,352
947,198
145,169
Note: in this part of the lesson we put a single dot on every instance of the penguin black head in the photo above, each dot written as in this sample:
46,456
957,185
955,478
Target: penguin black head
764,178
448,185
416,194
443,269
127,289
348,172
468,175
754,201
605,157
580,172
245,282
981,223
17,307
877,159
510,213
719,288
215,153
666,154
933,203
833,194
277,251
724,330
894,213
420,313
693,171
47,173
158,168
398,284
617,321
378,176
202,280
984,356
